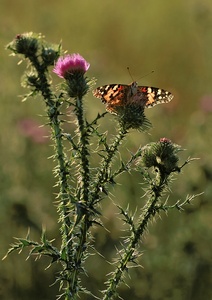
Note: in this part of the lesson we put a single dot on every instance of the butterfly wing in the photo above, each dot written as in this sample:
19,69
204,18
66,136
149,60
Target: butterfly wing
151,96
112,94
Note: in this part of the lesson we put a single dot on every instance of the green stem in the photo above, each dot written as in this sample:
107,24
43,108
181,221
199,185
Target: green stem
83,136
128,256
80,247
53,114
125,167
78,258
102,175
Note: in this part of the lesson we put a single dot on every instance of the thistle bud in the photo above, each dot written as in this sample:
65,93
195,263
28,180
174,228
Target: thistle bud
161,155
26,44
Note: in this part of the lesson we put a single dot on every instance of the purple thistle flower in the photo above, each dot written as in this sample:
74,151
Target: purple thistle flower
70,64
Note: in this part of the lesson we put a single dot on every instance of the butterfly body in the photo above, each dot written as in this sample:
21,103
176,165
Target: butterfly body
122,95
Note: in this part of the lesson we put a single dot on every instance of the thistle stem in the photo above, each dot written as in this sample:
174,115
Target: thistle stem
148,212
85,171
84,196
53,114
102,175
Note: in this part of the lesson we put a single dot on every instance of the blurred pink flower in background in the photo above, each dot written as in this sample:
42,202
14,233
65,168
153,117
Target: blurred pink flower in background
206,103
32,129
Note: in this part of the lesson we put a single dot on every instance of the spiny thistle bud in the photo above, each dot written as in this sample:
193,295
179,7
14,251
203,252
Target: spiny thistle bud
161,155
31,80
50,55
72,68
26,43
132,116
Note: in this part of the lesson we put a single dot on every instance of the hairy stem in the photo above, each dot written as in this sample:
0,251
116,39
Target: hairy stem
64,197
102,175
82,214
128,256
83,136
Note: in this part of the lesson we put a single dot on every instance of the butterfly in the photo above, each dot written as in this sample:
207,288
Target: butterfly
122,95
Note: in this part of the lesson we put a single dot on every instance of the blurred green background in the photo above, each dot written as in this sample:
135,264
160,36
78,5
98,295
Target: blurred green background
173,38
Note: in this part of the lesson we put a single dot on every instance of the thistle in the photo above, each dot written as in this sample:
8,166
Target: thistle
82,186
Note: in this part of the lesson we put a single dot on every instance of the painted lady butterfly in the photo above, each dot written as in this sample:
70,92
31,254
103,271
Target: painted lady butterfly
121,95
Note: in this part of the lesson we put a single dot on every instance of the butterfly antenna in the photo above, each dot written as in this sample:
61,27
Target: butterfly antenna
146,74
128,69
